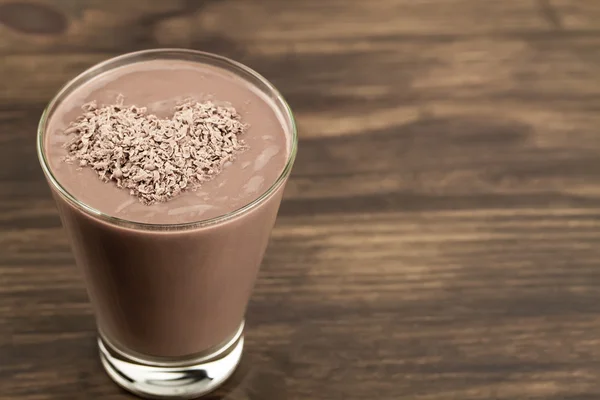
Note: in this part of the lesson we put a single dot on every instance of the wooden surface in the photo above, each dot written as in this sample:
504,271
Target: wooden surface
439,238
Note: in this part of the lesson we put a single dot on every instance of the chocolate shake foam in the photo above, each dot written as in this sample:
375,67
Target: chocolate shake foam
161,96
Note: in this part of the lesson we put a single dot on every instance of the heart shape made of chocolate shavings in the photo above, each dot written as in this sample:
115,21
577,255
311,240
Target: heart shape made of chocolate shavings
156,159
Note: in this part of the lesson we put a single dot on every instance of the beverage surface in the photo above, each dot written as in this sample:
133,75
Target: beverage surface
159,86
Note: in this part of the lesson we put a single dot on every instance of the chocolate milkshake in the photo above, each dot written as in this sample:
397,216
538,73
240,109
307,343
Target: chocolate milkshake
170,279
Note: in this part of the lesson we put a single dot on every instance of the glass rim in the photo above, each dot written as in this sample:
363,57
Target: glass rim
128,58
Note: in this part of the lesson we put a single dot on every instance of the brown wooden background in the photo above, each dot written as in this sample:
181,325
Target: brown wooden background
440,236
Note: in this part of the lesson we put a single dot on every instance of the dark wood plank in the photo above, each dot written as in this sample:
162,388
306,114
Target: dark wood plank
439,238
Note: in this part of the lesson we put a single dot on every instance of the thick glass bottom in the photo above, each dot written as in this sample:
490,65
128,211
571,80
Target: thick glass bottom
183,379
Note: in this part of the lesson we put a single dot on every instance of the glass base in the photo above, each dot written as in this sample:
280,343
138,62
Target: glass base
187,379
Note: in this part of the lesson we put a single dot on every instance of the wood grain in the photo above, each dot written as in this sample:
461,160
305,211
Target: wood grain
440,235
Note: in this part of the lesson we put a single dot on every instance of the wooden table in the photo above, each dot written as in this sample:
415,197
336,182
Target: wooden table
439,238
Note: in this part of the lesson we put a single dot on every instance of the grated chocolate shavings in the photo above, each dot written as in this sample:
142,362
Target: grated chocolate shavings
155,159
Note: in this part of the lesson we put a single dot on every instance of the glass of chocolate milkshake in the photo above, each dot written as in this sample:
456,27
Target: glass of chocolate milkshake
168,167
